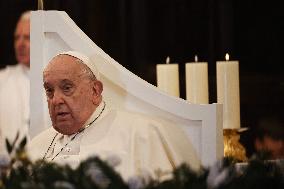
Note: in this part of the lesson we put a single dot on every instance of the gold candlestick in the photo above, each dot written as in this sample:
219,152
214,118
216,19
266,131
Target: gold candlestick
232,146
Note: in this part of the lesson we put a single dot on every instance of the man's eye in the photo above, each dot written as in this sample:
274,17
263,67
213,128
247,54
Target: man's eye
67,88
27,37
48,92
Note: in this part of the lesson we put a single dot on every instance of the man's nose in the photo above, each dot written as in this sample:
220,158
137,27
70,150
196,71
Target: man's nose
57,98
19,39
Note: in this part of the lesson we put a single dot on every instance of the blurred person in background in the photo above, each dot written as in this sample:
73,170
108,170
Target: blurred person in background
269,136
15,87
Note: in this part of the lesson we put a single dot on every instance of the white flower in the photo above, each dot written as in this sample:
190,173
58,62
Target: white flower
97,176
4,160
136,183
141,181
63,185
217,175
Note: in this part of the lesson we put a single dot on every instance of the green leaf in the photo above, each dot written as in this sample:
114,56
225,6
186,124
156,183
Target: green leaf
23,143
9,147
16,139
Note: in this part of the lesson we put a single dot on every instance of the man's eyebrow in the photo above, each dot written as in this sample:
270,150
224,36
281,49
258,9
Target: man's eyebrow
66,81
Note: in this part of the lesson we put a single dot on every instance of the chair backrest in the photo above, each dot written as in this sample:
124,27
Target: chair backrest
53,32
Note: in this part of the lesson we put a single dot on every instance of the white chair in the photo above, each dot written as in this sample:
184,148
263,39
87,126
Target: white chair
53,32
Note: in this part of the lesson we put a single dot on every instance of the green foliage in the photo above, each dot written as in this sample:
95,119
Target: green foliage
21,173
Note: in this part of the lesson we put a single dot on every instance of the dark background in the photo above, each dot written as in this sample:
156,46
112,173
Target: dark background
141,33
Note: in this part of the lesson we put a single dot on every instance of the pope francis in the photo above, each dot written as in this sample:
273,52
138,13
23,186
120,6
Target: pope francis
85,125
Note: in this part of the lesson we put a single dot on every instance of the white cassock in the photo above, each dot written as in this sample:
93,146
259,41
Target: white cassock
142,144
14,103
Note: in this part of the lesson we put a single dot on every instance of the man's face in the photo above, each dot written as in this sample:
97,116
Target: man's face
275,147
22,42
72,97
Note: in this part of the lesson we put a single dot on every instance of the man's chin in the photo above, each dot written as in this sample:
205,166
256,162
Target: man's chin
23,59
64,128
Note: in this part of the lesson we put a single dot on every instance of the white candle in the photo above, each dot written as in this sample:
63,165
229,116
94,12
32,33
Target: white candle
228,92
168,78
197,82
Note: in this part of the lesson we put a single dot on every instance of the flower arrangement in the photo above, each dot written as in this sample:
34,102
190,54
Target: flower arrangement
17,171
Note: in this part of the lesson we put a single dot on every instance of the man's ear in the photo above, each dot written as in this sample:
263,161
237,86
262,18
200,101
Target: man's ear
97,90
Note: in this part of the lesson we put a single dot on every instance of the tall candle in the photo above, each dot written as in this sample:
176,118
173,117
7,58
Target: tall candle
197,82
228,92
168,78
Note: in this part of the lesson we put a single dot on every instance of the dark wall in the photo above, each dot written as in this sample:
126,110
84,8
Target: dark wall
140,34
10,11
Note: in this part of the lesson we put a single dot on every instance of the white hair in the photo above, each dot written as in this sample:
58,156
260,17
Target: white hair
25,16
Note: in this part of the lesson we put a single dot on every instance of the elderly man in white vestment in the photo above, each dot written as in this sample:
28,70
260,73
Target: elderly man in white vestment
15,87
84,124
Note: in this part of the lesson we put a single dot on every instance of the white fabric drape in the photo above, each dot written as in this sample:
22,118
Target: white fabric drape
14,103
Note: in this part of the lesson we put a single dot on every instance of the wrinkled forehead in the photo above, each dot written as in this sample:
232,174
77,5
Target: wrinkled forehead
63,64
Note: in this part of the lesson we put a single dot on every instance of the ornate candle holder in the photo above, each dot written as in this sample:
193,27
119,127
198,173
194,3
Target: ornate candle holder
232,146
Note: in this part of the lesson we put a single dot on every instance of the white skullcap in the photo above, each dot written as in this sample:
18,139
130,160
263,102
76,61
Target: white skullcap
86,60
